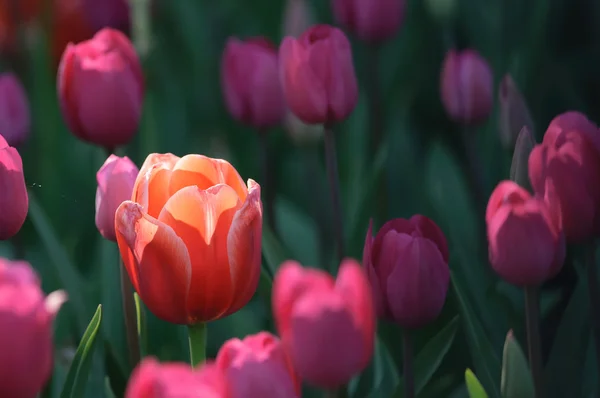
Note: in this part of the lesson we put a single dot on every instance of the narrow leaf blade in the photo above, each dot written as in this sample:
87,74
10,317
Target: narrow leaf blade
474,387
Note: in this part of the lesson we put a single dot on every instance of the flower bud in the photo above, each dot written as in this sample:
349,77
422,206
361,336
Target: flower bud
519,168
108,67
326,326
115,179
14,110
407,266
514,113
318,76
466,87
371,20
26,319
250,81
257,367
14,201
526,243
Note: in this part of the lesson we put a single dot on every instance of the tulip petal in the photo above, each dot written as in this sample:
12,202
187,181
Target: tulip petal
202,219
205,172
431,231
14,201
152,193
156,260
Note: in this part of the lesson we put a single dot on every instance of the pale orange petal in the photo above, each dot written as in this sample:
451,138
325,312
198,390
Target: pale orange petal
157,262
165,160
154,192
202,218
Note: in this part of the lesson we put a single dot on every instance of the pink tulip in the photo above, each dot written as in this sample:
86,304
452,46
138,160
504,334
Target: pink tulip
15,121
371,20
14,201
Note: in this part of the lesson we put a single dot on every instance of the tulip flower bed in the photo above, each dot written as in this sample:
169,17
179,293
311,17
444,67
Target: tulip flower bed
350,199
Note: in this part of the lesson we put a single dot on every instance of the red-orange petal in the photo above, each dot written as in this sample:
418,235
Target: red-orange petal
157,262
202,218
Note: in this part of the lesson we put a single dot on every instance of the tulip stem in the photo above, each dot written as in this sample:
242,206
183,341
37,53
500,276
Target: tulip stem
130,314
334,185
267,180
592,278
408,365
341,392
532,320
197,337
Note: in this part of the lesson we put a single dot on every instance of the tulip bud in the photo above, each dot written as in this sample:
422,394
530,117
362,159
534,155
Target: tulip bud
115,185
318,94
407,266
14,201
107,13
569,159
466,87
176,380
250,81
108,67
258,367
518,168
14,110
526,243
514,113
371,20
26,319
326,326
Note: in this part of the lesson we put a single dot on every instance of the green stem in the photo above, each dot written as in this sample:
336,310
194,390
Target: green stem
408,360
341,392
594,292
129,312
267,180
532,320
141,324
197,337
334,187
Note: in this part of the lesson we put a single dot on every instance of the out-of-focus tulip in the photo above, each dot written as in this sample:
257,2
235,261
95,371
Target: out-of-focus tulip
569,158
250,82
407,265
257,367
514,113
176,380
526,243
190,237
519,165
108,67
107,14
317,75
115,185
371,20
466,87
14,201
69,24
26,318
14,110
327,327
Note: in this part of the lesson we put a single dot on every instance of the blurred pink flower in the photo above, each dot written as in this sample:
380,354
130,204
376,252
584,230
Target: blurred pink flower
15,120
14,201
371,20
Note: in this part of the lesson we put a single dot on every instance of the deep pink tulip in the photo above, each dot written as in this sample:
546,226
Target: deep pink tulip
407,265
250,82
317,75
14,201
569,158
26,318
101,89
107,13
466,87
327,326
258,367
371,20
152,379
15,119
115,179
526,243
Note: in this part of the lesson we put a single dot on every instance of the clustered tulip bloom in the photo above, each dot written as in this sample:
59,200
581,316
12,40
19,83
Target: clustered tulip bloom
108,66
407,265
326,326
115,180
250,80
14,110
14,201
190,237
26,319
371,20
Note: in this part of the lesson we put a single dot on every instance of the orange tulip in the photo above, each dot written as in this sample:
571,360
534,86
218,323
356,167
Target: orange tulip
190,238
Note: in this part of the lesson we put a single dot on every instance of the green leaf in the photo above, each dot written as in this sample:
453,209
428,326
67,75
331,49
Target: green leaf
474,387
516,377
141,324
80,367
297,231
66,272
484,356
430,357
275,253
379,379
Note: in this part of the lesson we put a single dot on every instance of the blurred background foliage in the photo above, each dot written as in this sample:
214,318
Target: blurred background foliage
550,47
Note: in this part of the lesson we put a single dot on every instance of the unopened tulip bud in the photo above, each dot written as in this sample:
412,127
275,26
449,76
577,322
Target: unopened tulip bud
514,113
371,20
14,201
101,89
14,110
466,87
519,167
115,179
